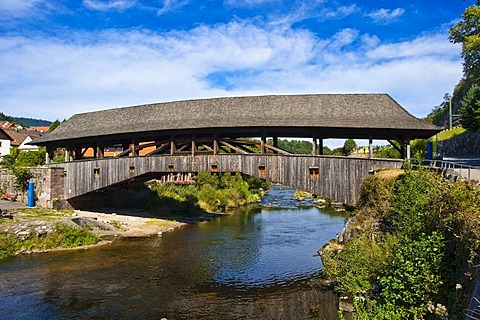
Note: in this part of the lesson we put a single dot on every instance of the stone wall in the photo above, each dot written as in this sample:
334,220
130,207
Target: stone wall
7,182
49,186
466,145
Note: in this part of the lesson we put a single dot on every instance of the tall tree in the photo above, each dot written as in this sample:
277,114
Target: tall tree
467,33
470,110
348,146
54,125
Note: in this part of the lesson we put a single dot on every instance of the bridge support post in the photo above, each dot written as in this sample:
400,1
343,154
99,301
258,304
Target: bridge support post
370,147
133,147
407,147
262,142
172,145
215,144
78,153
99,153
194,146
320,146
314,146
49,155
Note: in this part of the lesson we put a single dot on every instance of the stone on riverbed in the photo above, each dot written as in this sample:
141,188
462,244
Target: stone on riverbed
26,229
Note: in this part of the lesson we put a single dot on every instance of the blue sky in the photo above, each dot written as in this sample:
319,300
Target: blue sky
58,58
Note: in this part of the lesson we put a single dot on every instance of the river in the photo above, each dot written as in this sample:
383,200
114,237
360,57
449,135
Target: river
258,263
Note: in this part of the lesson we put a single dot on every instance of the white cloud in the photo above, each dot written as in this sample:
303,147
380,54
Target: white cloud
171,5
311,10
386,16
58,77
340,12
118,5
246,3
18,8
424,45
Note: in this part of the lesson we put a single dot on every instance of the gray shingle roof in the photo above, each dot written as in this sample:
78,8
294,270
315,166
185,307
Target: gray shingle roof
352,111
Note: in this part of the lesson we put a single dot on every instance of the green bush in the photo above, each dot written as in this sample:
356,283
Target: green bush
212,192
359,264
69,237
376,195
429,248
414,275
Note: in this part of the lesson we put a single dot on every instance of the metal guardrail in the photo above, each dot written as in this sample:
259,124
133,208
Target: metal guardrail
451,169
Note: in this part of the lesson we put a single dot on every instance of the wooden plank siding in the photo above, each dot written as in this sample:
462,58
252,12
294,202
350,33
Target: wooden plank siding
337,178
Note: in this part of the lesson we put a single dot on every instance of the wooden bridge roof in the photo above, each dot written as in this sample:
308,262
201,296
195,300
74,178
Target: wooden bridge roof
325,115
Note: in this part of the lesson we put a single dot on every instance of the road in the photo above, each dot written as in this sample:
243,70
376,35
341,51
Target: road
11,205
470,171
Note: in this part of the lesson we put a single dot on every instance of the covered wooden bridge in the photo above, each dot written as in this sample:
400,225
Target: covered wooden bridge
230,134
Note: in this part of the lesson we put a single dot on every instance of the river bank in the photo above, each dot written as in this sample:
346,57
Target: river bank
106,225
410,250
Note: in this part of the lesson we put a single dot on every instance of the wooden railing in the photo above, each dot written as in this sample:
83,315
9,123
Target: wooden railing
337,178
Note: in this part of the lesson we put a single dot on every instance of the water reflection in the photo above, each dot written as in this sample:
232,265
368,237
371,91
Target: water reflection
255,264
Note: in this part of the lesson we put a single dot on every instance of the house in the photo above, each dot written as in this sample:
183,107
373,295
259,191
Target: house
5,142
41,129
15,137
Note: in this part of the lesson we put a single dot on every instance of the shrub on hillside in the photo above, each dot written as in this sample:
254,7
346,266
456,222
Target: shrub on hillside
429,248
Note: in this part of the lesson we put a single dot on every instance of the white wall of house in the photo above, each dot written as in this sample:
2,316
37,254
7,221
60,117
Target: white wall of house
26,147
4,147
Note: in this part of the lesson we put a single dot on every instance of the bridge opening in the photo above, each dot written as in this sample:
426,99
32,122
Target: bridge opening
314,172
262,171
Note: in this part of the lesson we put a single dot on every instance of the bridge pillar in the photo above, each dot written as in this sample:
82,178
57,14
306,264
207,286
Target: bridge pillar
77,153
99,151
320,146
194,146
215,144
49,155
314,146
275,143
133,147
172,145
262,142
407,143
68,154
370,147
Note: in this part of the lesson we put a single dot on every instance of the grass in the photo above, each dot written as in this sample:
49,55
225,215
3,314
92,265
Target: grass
157,222
390,174
63,236
38,213
449,134
116,224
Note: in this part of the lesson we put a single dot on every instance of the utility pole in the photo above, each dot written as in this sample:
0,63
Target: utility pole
450,114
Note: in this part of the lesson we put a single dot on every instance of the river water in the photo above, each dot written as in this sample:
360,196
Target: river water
258,263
